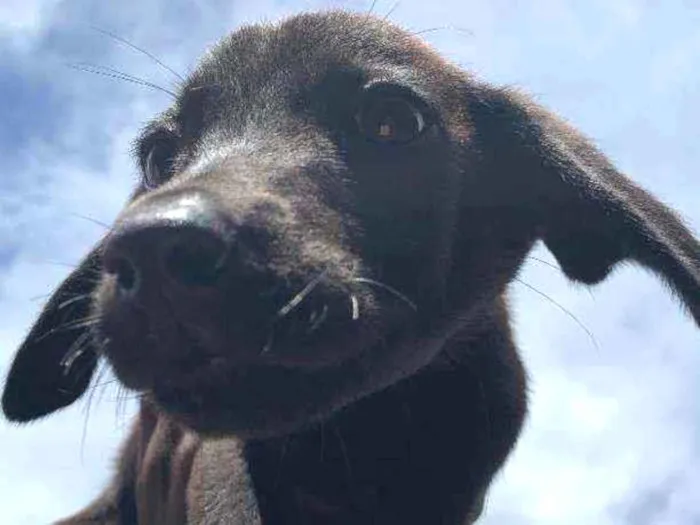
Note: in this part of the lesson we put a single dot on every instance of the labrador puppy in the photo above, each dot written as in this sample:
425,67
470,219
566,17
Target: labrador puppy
308,287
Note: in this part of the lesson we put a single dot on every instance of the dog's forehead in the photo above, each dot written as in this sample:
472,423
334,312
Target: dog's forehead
262,77
306,47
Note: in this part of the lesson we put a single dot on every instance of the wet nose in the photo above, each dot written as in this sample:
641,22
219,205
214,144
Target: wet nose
176,240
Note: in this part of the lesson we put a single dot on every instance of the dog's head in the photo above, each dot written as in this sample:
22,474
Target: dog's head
324,205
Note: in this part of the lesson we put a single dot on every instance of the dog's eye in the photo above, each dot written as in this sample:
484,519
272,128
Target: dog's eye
390,119
158,162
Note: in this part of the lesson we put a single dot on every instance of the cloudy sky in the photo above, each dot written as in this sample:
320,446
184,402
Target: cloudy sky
614,433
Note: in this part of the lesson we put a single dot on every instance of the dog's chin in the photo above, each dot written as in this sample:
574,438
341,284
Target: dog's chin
256,401
217,397
278,391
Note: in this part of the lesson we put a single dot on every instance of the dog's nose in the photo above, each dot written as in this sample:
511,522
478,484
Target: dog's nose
182,240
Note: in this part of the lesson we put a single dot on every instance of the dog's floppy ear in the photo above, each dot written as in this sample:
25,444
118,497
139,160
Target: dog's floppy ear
55,363
589,215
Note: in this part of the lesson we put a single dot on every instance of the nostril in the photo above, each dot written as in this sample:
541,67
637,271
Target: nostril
196,259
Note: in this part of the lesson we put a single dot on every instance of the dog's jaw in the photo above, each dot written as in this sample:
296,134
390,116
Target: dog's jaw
289,375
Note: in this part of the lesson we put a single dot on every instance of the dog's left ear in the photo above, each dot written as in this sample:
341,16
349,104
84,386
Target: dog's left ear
55,363
589,215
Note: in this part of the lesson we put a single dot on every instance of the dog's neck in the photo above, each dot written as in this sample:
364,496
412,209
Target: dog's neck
409,454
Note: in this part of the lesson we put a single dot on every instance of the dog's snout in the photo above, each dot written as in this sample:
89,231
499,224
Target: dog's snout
181,241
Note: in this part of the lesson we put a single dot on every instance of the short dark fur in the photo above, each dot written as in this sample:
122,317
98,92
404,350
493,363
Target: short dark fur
332,307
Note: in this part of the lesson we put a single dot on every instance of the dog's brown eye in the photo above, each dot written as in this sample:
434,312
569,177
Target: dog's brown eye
157,164
390,119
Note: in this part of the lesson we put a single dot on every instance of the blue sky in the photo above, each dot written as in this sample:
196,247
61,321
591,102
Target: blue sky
614,431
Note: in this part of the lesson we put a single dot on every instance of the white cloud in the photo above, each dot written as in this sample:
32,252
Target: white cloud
23,15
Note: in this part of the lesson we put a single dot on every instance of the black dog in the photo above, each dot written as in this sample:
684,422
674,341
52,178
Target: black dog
313,271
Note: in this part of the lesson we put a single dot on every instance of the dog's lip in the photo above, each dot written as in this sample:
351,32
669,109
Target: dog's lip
194,368
192,365
190,377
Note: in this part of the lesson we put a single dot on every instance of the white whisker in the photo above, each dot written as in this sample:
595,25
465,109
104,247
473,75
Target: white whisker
355,307
389,289
298,298
268,344
319,319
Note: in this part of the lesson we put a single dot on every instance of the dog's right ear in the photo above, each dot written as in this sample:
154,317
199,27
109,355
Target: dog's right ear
556,184
57,359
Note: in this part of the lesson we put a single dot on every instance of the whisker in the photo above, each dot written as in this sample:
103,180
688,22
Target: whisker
122,400
319,320
270,341
88,406
389,289
83,433
74,325
371,8
119,75
137,396
344,452
280,463
390,12
107,382
443,28
542,261
355,307
76,350
298,298
92,220
76,299
293,303
53,262
139,49
102,392
554,267
78,375
567,312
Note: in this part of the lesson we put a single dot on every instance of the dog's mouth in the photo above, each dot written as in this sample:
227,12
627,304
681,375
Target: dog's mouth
243,371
